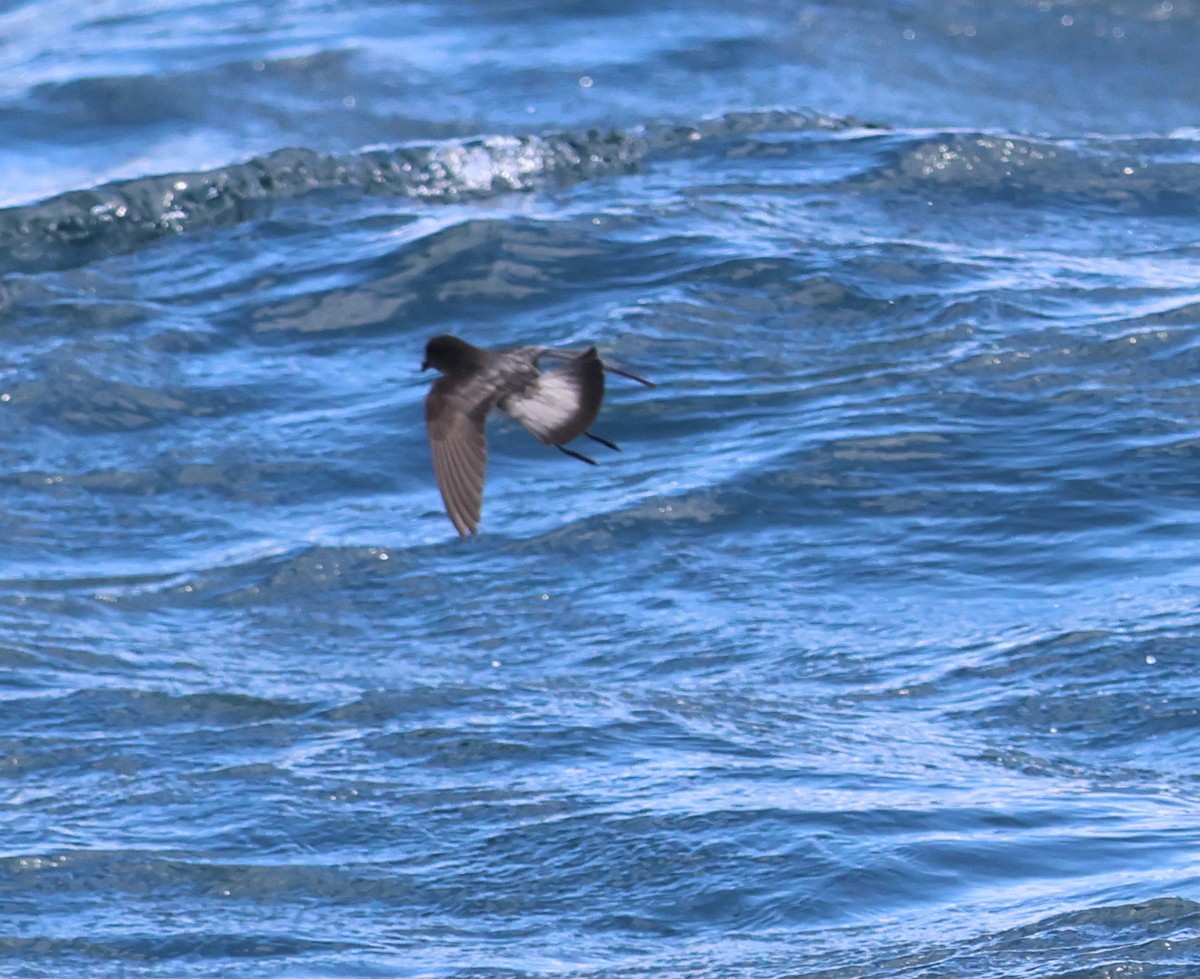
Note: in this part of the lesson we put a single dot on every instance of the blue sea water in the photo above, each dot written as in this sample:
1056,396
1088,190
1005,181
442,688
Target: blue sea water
873,653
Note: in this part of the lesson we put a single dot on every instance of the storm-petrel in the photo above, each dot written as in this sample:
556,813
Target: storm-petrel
556,405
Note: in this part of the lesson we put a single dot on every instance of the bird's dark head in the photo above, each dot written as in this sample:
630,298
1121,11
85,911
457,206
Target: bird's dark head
450,355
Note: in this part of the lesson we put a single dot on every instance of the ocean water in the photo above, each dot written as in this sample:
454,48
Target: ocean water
872,653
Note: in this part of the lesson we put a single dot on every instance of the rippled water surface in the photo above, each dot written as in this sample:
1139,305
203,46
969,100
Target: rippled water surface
874,651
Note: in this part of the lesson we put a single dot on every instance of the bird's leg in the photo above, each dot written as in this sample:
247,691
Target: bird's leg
603,441
613,368
577,455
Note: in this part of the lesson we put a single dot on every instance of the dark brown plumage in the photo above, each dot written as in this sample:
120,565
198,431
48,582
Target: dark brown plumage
556,405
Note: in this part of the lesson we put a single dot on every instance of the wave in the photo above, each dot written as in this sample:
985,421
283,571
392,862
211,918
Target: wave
1149,175
78,226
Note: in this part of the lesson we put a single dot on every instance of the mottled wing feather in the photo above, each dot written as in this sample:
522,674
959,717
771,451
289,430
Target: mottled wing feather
456,436
564,401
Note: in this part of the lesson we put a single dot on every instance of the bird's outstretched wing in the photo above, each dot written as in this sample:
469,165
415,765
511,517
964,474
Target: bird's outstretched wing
562,402
455,414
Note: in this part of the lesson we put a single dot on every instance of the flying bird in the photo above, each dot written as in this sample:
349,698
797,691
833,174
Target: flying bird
556,404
